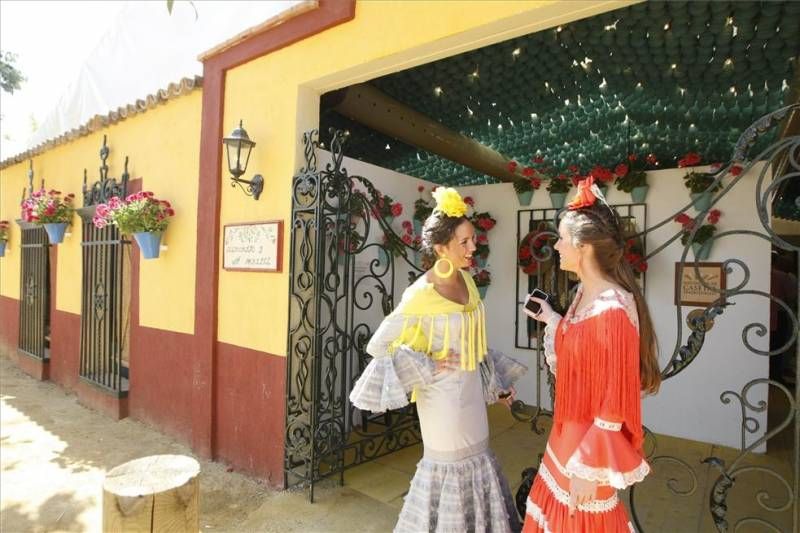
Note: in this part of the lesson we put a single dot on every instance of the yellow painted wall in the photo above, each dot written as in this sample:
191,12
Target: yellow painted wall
277,97
12,180
163,148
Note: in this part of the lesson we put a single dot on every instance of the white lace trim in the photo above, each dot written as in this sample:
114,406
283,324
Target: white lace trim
537,515
605,424
551,454
594,506
550,341
607,476
610,299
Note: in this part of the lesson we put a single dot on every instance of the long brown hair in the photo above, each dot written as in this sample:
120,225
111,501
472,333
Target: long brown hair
600,226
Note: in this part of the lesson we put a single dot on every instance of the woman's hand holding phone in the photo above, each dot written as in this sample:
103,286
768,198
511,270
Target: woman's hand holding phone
538,300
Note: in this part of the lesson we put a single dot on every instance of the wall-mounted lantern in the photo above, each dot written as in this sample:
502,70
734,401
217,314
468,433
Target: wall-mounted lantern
238,146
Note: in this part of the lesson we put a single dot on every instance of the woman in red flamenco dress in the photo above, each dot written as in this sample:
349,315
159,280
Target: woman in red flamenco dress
603,354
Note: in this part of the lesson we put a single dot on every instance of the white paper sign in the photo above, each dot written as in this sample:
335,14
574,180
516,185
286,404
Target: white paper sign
255,246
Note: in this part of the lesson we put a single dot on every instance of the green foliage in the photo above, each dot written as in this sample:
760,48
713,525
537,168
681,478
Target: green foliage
10,76
422,210
558,184
698,182
633,179
705,232
171,4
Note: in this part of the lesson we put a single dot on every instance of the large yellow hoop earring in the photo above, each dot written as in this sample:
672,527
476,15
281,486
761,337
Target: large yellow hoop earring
449,271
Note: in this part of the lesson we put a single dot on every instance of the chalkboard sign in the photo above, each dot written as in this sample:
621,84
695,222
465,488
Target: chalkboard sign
253,247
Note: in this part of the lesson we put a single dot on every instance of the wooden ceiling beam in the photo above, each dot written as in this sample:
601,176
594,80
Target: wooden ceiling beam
376,110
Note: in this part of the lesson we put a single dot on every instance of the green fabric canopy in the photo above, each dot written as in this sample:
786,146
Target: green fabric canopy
658,77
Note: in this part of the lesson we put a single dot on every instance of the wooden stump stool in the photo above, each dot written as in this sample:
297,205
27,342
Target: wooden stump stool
157,493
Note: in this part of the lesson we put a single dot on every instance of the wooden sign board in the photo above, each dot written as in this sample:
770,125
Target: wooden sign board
689,291
253,247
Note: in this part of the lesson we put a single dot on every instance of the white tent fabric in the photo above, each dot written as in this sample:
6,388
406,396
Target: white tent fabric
145,50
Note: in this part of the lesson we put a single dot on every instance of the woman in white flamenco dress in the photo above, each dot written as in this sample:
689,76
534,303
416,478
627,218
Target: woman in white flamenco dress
433,346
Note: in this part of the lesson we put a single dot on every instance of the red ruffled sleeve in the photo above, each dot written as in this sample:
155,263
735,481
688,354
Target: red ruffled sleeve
610,452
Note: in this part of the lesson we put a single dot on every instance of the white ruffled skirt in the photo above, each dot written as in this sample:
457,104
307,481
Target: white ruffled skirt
458,485
460,495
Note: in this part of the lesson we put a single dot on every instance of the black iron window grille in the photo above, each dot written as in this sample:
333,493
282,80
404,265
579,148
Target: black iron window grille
34,308
105,293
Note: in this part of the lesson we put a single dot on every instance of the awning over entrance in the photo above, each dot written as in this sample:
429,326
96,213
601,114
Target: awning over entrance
657,77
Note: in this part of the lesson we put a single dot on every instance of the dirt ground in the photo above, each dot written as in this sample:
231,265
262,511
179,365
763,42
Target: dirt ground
54,454
47,436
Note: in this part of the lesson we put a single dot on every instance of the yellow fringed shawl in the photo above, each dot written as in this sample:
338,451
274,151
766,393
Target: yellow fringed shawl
421,301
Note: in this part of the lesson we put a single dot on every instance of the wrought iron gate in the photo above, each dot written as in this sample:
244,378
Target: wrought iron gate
105,293
341,283
780,174
34,311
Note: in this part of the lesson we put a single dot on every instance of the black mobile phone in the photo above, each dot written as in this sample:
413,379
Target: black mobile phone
533,306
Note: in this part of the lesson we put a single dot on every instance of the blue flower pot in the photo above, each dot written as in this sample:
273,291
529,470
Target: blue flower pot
701,200
702,251
638,194
149,243
417,227
55,231
525,198
480,262
2,248
482,291
558,199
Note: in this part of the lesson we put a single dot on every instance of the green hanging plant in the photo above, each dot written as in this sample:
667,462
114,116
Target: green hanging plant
697,182
523,185
633,173
559,184
422,206
704,232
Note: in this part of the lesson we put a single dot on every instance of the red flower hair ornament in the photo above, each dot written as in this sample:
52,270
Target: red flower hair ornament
588,193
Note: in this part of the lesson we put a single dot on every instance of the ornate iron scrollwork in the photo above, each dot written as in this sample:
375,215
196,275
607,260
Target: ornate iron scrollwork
104,323
698,324
105,188
338,288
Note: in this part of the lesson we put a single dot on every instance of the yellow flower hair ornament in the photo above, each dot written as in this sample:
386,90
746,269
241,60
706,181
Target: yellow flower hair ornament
449,202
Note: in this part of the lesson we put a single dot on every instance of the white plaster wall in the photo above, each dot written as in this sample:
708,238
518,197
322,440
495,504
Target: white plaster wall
688,405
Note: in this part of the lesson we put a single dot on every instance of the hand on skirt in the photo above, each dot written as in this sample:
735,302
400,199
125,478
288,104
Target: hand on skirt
580,491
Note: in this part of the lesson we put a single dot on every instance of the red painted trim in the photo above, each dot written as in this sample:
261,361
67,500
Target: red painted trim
95,398
9,323
204,365
279,250
134,186
65,335
330,13
33,366
250,405
65,348
207,279
161,380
